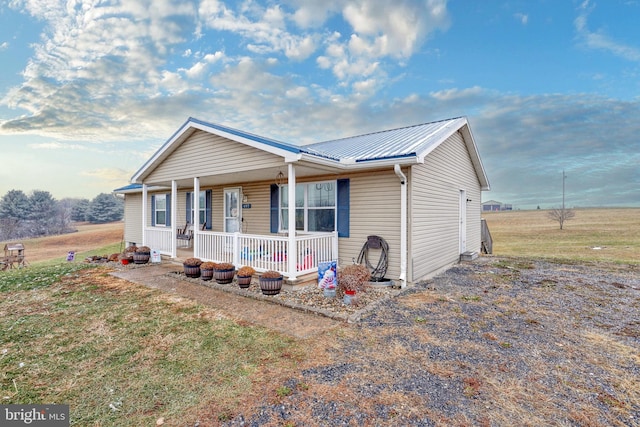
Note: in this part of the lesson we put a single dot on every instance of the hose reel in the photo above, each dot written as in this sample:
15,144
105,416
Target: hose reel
375,243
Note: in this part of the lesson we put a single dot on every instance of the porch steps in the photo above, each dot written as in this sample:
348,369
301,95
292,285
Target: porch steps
301,282
468,256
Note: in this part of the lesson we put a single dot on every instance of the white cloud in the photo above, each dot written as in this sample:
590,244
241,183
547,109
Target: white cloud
599,39
522,17
4,46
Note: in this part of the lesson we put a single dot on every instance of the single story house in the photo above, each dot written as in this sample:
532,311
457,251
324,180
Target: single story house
417,187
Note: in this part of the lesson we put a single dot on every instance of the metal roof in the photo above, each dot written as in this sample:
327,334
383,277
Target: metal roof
389,144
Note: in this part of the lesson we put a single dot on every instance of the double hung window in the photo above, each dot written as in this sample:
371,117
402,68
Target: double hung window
315,207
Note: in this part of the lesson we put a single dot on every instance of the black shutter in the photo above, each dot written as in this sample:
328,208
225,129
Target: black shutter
208,209
168,219
189,196
153,211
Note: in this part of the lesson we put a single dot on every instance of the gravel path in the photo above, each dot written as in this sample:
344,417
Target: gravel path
497,342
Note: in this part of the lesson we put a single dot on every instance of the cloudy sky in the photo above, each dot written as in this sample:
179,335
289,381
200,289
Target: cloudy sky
89,89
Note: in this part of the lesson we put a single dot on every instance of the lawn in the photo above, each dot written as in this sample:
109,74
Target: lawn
124,355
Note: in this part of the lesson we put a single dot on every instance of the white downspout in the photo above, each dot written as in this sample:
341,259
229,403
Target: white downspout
145,195
403,225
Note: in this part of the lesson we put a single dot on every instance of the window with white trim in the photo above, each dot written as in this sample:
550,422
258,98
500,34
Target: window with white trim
315,206
160,209
202,208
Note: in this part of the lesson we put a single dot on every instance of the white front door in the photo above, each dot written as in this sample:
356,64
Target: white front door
463,221
232,210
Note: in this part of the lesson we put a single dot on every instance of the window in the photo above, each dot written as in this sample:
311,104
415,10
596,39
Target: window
202,207
160,209
315,206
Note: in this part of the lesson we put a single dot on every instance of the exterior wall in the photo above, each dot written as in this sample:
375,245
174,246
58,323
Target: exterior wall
133,218
196,155
434,212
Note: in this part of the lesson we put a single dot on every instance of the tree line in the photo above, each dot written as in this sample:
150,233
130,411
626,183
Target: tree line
40,214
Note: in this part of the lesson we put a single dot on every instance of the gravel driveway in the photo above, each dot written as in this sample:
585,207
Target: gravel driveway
496,342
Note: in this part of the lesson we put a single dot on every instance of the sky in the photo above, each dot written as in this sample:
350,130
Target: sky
90,89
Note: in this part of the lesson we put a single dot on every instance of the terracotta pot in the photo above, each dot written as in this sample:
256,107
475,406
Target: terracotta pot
224,276
271,286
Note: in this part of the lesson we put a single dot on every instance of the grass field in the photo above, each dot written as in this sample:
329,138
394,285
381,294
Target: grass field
611,235
123,355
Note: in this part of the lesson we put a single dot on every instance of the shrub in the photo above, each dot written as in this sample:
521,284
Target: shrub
143,249
246,271
223,266
192,262
353,277
208,265
271,274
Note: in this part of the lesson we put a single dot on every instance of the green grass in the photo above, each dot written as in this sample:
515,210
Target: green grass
121,354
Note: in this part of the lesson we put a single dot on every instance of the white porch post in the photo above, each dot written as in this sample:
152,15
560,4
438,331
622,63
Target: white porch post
174,218
144,213
293,250
196,215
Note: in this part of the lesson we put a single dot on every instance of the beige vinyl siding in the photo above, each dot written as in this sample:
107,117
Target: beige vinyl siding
374,210
435,198
133,218
206,154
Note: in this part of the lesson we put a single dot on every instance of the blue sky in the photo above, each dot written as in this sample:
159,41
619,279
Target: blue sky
90,89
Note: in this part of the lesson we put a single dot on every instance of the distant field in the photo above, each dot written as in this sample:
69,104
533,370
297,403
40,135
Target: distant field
90,239
611,235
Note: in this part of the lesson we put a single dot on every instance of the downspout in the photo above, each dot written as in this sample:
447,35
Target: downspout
403,225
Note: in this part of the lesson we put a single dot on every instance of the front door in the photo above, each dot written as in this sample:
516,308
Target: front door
232,210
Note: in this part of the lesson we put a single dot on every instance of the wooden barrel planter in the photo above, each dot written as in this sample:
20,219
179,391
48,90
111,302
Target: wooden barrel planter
244,281
141,257
271,283
206,273
192,271
224,276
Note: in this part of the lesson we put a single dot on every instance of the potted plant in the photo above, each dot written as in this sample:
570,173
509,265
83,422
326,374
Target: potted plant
206,270
223,272
192,267
142,255
128,252
245,274
351,280
271,282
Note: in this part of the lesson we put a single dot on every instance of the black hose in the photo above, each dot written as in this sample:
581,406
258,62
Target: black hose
375,242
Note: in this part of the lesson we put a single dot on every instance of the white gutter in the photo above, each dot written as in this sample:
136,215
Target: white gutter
403,225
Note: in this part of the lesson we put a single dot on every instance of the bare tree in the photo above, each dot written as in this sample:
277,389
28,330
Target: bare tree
561,215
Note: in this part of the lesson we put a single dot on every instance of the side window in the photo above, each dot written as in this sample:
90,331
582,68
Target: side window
160,209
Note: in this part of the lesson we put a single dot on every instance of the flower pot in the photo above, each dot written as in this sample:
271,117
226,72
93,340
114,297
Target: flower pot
329,292
349,297
206,273
270,286
224,276
124,261
244,281
141,257
191,270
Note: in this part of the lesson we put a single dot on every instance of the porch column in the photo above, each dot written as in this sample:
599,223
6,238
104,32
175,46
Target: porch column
292,255
196,216
144,213
174,218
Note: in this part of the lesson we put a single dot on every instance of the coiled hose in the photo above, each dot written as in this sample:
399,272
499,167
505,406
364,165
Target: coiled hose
375,242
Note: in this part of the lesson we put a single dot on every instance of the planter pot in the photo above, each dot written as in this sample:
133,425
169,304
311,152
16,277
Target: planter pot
244,281
206,273
124,261
349,297
141,257
271,286
224,276
191,271
329,292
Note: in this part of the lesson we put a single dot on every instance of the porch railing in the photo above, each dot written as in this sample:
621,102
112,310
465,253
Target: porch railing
267,252
260,252
159,238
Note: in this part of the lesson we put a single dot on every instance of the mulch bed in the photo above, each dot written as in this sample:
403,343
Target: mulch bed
496,342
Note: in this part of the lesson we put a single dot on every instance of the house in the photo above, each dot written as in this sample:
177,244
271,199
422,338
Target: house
417,187
492,206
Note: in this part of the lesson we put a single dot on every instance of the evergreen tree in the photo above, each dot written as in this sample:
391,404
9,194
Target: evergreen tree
80,209
105,208
43,213
14,210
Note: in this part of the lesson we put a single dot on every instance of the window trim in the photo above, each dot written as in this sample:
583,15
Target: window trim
306,208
